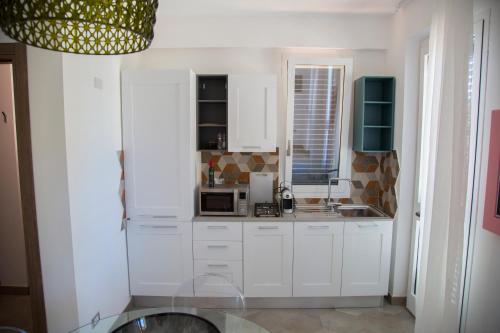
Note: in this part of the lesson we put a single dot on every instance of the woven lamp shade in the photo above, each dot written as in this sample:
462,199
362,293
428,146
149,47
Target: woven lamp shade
101,27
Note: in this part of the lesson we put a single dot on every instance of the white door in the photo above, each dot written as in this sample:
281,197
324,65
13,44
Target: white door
252,113
366,258
268,256
160,257
420,177
317,265
157,144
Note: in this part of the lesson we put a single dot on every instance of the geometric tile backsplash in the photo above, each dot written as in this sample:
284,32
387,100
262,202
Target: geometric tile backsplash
373,175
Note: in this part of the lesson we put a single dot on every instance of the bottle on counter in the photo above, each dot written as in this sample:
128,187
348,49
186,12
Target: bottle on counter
211,174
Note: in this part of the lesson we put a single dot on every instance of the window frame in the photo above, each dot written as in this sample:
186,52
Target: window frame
343,188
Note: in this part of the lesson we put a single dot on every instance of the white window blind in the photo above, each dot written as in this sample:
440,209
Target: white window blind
318,97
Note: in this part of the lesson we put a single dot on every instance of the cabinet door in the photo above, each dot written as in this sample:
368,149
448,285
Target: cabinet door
157,144
252,113
268,253
317,266
160,257
367,258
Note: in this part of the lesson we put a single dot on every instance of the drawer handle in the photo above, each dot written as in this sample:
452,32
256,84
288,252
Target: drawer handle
160,216
319,226
217,227
217,246
268,227
371,225
159,226
218,265
251,147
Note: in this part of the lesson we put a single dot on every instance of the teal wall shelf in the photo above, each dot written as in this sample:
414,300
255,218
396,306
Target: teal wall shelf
374,113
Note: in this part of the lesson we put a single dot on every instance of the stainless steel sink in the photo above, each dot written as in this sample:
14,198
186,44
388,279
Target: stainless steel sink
347,210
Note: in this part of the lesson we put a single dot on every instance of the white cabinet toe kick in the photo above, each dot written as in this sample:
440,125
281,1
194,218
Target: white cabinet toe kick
273,264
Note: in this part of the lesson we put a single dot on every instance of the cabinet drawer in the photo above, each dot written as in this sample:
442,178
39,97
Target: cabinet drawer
218,250
231,231
230,275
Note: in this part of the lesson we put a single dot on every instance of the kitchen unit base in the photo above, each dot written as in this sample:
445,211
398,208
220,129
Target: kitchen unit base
266,302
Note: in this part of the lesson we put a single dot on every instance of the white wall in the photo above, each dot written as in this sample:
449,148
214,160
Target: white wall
484,293
410,25
13,271
254,60
93,138
341,31
48,135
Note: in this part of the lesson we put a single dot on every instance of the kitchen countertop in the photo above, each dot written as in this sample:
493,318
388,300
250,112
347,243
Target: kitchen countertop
288,218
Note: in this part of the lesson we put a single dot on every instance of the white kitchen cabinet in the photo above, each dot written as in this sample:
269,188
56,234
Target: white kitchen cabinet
159,143
160,257
366,258
267,259
317,267
252,113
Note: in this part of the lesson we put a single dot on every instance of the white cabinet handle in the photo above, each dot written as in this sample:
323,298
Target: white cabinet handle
319,226
371,225
217,246
251,147
159,226
218,265
160,216
268,227
217,227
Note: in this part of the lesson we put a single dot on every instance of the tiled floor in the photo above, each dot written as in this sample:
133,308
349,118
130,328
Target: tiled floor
15,310
387,319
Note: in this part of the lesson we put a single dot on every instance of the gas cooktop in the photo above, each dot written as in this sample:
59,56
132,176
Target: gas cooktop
267,210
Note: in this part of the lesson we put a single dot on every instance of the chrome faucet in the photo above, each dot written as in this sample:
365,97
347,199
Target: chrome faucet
334,206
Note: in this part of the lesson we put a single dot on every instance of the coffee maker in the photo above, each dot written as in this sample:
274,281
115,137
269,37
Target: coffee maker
285,198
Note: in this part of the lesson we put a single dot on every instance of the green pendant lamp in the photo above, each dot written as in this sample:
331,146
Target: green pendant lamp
101,27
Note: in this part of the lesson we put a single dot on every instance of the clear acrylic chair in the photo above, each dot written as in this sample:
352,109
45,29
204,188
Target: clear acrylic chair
211,291
8,329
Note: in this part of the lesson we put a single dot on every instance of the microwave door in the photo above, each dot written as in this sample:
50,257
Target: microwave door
213,203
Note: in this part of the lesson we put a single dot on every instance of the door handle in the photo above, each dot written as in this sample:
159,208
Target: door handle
318,227
371,225
218,265
159,226
217,246
268,227
217,227
160,216
251,147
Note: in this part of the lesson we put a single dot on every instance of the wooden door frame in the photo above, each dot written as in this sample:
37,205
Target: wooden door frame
15,54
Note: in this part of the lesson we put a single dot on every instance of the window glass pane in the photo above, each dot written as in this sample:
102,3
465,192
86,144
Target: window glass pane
316,126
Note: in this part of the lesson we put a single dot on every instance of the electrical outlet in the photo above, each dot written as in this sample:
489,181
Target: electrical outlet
95,320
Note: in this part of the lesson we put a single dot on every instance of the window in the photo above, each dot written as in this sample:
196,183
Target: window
319,94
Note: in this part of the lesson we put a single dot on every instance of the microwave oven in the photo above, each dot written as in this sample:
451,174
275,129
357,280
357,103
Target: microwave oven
224,200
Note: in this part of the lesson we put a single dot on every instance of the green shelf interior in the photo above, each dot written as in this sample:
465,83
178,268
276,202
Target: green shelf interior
374,114
379,89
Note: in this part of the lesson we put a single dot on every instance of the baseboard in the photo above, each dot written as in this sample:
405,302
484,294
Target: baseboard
264,302
396,300
11,290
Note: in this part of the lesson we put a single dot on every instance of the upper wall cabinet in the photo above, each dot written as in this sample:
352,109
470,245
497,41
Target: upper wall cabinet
158,141
374,114
252,113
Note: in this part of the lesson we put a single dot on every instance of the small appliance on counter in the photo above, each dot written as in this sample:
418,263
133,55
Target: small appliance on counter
224,200
285,198
266,210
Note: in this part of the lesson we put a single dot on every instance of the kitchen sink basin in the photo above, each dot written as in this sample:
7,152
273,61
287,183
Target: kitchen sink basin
348,210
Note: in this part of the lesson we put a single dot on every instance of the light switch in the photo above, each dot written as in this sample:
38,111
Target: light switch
98,83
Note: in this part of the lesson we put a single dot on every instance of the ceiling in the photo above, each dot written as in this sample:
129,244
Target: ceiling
241,7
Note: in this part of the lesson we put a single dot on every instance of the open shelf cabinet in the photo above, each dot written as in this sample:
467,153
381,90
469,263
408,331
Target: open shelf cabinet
211,110
374,114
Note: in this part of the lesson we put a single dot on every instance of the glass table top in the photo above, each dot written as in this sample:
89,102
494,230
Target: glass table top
178,320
